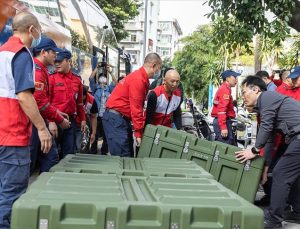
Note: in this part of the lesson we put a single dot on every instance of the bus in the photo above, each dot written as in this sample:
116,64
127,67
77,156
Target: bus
72,23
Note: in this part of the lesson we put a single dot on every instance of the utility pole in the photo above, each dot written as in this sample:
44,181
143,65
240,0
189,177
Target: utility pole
60,14
145,29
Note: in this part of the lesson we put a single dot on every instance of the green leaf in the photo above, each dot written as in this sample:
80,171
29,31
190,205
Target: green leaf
119,13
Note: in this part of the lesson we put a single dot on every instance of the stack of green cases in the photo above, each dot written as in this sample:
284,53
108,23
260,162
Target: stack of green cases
240,178
108,201
162,142
215,157
163,167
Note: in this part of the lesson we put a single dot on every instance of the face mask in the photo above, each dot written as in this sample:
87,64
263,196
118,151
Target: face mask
102,80
157,75
35,42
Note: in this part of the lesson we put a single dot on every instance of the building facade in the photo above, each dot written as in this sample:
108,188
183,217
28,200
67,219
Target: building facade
140,35
86,20
168,35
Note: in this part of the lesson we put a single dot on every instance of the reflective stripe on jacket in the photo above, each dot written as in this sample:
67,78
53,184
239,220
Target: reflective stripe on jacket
15,127
223,105
165,106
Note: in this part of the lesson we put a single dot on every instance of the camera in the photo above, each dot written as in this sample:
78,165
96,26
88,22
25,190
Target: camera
102,69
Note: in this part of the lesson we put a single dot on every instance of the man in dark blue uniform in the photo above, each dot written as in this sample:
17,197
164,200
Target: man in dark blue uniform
277,112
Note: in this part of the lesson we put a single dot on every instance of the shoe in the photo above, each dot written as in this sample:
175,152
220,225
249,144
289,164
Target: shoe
292,217
269,222
264,201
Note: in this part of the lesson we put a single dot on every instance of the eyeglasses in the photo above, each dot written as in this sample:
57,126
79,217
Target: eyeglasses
250,88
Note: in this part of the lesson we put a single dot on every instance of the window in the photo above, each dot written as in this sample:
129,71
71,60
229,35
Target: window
166,52
133,37
165,38
134,58
26,4
133,55
164,26
47,10
163,51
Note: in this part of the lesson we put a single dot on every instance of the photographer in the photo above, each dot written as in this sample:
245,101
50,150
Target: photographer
101,92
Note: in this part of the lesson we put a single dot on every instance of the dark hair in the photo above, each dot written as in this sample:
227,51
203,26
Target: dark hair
262,74
235,104
254,81
36,53
85,90
120,78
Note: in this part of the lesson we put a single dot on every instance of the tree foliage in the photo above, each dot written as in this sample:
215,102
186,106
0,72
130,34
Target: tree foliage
198,63
166,63
79,41
291,58
238,21
119,12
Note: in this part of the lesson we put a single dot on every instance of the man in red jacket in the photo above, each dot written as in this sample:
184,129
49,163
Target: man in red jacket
66,96
125,104
163,102
223,108
17,110
44,56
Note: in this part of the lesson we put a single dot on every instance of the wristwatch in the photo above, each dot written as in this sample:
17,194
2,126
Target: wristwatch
255,151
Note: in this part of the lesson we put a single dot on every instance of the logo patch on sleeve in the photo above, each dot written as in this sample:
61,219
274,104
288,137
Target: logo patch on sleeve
39,86
226,96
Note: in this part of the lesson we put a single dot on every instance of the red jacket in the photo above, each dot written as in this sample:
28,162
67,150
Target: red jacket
66,94
223,105
87,107
129,96
41,94
163,116
15,126
285,90
296,93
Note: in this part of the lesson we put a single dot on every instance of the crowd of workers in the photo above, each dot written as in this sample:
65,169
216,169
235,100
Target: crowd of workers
59,106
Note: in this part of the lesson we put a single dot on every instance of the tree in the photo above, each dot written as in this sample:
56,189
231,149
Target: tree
291,58
79,41
119,12
83,22
166,63
199,62
239,20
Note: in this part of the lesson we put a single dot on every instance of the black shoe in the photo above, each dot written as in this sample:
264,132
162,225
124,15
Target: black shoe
292,217
264,201
269,222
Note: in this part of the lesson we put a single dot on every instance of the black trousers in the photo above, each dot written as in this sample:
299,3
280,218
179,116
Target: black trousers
100,133
230,139
272,163
286,174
